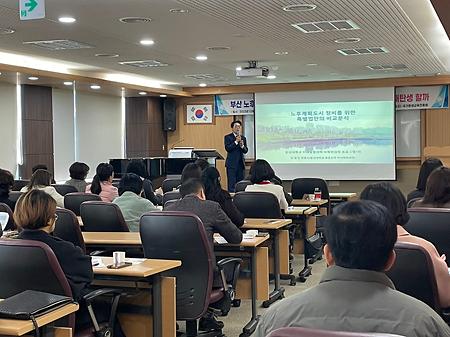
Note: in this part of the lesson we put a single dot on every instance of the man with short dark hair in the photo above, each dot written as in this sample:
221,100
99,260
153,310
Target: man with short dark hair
236,147
130,202
354,293
215,221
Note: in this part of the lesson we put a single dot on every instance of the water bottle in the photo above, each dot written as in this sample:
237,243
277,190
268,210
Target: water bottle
317,194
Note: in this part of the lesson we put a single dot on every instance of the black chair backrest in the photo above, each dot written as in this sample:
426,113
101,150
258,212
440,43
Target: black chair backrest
11,225
168,202
241,185
258,205
432,224
170,183
19,184
31,265
73,201
100,216
172,195
413,274
67,228
412,201
306,332
14,196
182,236
64,189
302,186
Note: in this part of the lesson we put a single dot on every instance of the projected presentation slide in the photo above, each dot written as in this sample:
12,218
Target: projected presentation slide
336,134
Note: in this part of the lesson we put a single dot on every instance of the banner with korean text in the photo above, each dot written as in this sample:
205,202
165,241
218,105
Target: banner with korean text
239,104
426,97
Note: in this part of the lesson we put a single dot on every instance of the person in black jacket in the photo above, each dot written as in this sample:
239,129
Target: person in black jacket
428,166
215,192
137,166
35,215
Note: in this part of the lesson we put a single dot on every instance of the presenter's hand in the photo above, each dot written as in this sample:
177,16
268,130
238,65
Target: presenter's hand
238,139
241,143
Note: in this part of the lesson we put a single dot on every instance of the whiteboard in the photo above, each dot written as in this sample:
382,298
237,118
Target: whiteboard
407,128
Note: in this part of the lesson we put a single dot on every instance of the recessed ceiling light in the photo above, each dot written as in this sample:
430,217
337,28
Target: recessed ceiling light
33,78
348,40
147,42
135,19
6,31
95,87
238,68
299,8
271,77
281,53
162,95
106,55
67,19
178,11
312,64
142,93
201,57
202,85
68,83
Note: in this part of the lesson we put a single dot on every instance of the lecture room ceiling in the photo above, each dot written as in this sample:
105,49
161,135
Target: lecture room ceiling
389,38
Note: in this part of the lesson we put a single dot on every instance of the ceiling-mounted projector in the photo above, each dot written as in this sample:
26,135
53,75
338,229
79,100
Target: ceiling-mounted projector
252,70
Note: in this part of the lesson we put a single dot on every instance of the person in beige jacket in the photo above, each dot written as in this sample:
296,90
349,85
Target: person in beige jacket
41,180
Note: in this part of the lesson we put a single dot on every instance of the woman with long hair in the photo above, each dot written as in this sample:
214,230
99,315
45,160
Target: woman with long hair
41,180
428,166
437,190
215,192
102,183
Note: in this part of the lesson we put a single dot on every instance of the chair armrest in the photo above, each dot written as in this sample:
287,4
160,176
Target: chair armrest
99,292
227,260
221,266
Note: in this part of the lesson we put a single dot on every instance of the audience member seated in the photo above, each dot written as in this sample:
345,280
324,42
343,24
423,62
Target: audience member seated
35,215
202,163
215,221
41,180
428,166
261,174
215,192
130,202
437,190
102,183
137,166
191,171
41,167
78,173
354,294
6,183
392,198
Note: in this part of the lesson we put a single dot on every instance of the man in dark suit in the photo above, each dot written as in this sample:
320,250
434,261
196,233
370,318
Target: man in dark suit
236,146
215,221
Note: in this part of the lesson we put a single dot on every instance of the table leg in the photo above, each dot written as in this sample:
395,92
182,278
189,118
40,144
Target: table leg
157,306
306,271
250,327
278,292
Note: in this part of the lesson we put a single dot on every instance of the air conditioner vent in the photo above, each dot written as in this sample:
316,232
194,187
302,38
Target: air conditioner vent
144,63
325,26
363,51
394,67
59,44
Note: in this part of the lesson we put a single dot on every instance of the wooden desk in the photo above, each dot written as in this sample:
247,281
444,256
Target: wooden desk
321,204
15,327
163,291
343,196
306,210
280,250
259,265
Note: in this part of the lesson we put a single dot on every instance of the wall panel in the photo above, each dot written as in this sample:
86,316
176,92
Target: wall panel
8,127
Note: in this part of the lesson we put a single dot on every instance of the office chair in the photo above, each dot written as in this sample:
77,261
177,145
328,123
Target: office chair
170,183
100,216
258,205
64,189
73,201
19,184
11,225
172,195
37,259
14,196
169,202
241,185
412,201
182,236
68,228
305,332
432,224
302,186
413,274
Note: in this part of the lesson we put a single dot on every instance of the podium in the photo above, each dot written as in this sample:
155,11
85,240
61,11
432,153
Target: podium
170,166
